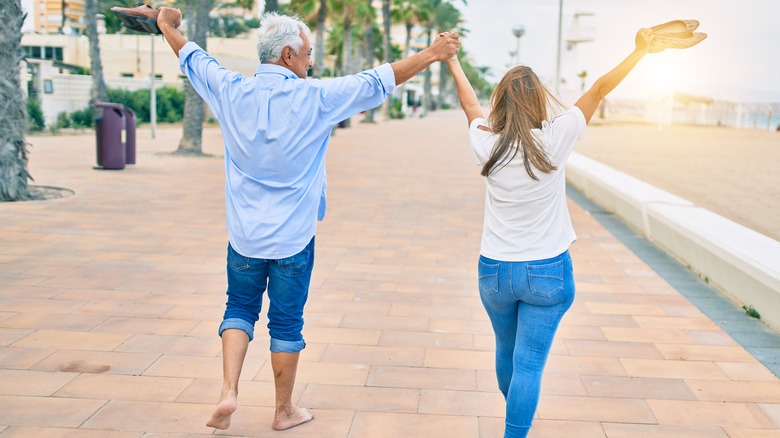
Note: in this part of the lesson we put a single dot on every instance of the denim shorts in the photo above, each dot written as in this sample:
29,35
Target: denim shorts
287,282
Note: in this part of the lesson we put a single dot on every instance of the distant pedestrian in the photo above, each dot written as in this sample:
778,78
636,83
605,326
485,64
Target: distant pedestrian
526,281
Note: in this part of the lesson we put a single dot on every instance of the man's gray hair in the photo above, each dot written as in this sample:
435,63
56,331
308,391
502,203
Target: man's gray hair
277,31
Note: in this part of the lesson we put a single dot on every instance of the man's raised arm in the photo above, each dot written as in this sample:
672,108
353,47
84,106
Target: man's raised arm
443,47
168,21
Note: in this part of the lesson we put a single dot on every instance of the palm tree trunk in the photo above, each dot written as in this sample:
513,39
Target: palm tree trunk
13,115
443,73
62,19
191,142
427,98
319,55
369,117
407,51
386,24
347,60
98,92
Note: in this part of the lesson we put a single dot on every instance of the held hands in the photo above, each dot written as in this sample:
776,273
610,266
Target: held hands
445,46
170,17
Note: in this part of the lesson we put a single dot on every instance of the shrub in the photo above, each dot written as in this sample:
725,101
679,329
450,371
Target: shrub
396,109
83,118
63,120
170,103
35,119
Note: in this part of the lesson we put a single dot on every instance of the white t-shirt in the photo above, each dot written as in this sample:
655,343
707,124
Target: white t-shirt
525,219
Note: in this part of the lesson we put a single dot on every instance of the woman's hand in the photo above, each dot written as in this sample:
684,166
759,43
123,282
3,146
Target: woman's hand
643,39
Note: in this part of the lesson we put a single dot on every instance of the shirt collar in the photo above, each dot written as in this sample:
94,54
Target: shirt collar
277,69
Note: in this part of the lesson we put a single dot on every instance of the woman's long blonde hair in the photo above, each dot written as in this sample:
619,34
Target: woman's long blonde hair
519,103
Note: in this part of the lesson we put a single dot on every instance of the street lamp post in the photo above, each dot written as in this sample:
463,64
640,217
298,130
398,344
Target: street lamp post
518,31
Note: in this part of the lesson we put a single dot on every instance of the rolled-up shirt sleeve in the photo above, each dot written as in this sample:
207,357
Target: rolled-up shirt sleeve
346,96
204,73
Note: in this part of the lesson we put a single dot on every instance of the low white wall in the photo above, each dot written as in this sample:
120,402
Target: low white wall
737,260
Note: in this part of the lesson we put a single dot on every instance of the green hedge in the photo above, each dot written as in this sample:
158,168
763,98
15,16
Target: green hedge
35,118
170,107
170,103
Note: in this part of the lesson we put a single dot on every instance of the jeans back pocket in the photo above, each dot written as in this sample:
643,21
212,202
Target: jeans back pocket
237,261
488,278
546,280
297,264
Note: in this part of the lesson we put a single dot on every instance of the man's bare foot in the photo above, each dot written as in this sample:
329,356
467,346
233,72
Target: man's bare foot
220,419
291,416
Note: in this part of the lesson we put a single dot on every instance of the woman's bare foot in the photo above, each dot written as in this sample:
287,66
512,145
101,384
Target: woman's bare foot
220,419
291,416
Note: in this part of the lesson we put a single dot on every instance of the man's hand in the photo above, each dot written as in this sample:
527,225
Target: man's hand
445,46
169,17
168,20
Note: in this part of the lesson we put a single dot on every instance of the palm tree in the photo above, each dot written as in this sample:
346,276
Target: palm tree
387,19
447,19
315,12
347,13
98,92
434,9
13,116
369,21
197,12
63,7
411,13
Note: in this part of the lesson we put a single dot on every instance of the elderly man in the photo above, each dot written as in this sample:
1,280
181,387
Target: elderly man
276,127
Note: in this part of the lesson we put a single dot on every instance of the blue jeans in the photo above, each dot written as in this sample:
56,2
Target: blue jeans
525,302
287,281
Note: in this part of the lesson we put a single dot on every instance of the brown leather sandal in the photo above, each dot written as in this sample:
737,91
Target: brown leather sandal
142,18
675,34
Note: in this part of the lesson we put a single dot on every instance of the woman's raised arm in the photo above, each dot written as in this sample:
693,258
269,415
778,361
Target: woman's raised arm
466,95
591,99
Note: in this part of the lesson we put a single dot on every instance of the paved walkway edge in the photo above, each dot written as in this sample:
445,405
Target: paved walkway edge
756,337
737,260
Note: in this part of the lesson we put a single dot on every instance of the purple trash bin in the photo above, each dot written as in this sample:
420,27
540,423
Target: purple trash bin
110,134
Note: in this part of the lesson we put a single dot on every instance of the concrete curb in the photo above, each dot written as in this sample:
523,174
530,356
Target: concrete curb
742,263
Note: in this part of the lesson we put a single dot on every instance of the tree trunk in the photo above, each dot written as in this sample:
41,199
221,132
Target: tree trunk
369,117
191,142
386,24
319,51
13,114
443,73
271,6
427,95
98,92
62,18
347,59
407,51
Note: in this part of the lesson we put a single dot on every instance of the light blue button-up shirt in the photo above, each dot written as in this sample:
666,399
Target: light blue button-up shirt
276,128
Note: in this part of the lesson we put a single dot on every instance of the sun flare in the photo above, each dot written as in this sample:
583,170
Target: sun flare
665,73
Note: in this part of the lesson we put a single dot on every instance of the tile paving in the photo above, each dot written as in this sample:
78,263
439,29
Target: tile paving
110,300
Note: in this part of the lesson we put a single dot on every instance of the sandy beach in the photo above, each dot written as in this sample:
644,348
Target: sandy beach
732,172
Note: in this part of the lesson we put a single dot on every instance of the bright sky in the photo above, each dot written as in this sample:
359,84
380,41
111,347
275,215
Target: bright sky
740,59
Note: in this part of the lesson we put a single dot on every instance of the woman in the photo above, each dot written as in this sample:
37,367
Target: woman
525,272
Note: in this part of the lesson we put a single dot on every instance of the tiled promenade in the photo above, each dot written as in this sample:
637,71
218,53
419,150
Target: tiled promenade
110,300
